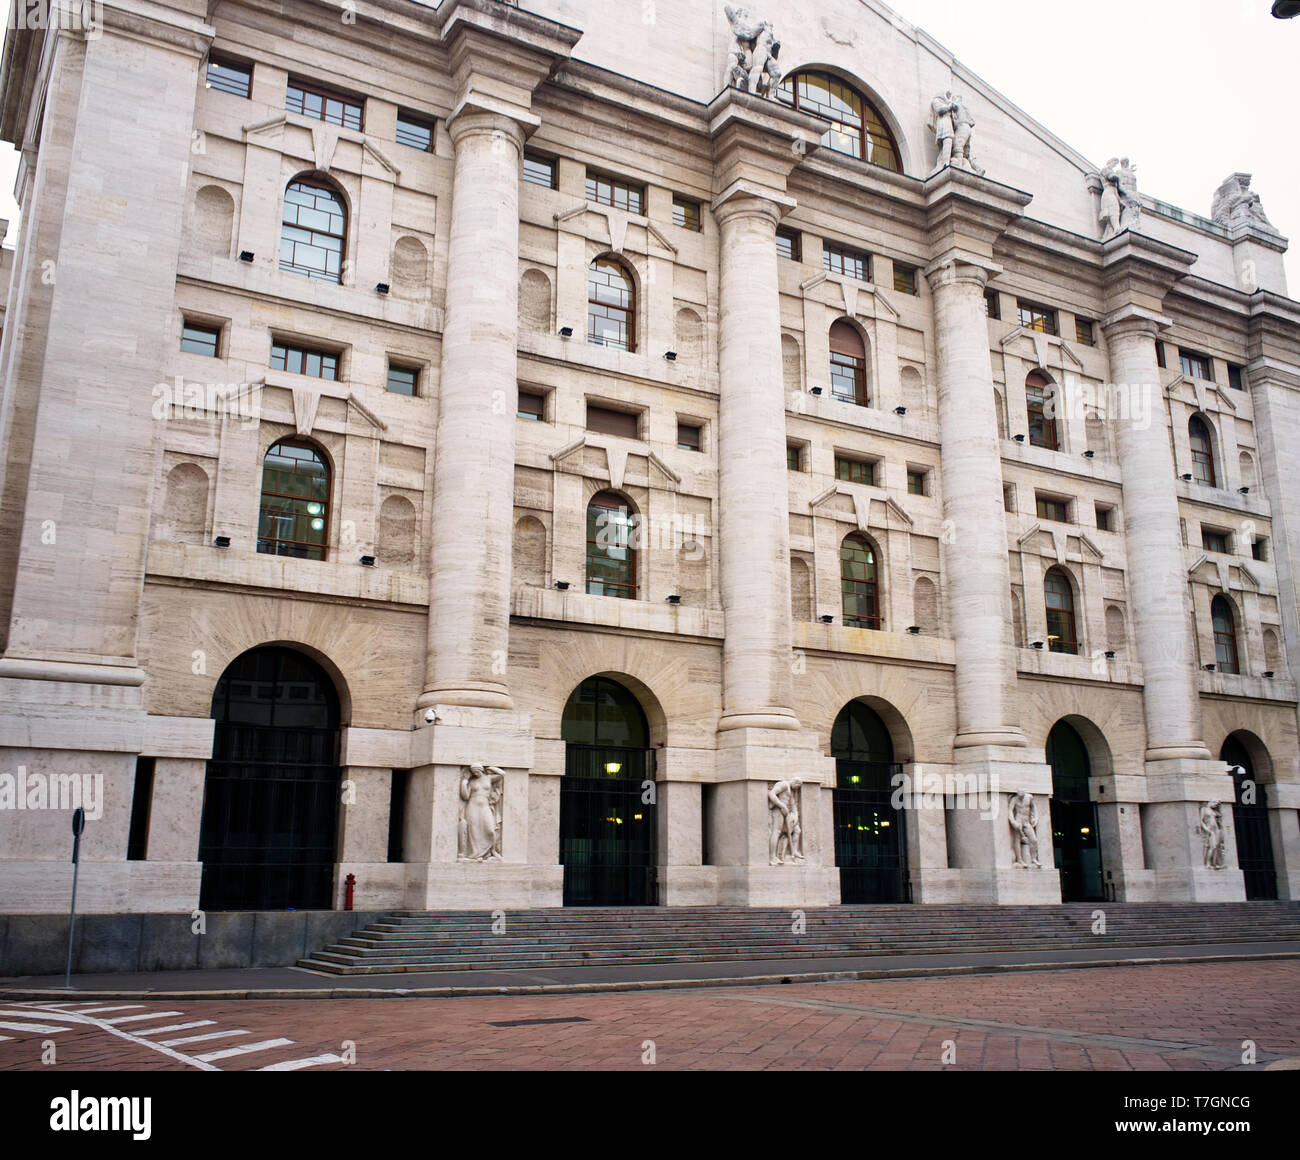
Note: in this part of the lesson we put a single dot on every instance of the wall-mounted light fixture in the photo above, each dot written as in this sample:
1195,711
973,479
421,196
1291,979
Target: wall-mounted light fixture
381,287
816,390
245,255
671,355
367,561
900,410
1020,438
1040,645
674,599
221,542
915,630
561,586
566,331
828,620
1187,478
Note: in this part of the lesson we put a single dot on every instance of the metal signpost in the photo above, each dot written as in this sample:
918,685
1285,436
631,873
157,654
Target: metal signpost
78,825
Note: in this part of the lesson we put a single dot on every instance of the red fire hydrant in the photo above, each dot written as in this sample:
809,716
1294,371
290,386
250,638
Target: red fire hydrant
350,882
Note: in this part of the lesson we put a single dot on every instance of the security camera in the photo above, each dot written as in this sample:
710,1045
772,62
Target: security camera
431,716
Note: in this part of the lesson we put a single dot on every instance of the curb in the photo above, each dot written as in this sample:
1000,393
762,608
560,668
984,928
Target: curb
13,994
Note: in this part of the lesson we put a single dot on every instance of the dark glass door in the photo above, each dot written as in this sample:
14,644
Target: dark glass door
1250,821
1076,838
267,838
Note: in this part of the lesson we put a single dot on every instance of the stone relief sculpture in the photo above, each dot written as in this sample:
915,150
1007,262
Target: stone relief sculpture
1121,207
1210,827
1023,816
754,67
1236,204
953,128
479,827
785,833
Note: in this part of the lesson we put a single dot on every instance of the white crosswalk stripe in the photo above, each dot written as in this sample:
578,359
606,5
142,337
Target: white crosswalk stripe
5,1038
174,1027
133,1018
39,1028
245,1049
98,1011
201,1038
299,1064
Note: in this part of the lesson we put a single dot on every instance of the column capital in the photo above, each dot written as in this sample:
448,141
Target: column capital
954,269
478,115
1133,322
759,142
743,199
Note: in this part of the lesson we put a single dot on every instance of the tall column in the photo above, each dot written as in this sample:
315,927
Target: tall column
757,143
754,515
474,464
1180,773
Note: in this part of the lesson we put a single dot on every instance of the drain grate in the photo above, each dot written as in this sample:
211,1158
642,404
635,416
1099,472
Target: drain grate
536,1022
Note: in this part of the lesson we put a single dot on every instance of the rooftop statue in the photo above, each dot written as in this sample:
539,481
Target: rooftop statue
1121,206
754,67
1235,204
953,128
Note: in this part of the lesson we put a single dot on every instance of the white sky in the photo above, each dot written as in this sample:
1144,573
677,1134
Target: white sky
1192,90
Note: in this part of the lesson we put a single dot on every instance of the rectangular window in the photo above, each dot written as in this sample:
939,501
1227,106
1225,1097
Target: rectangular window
1160,355
197,339
1105,519
228,76
855,470
993,304
1236,378
1085,332
794,457
1213,541
540,170
1196,366
686,214
1043,319
415,131
137,840
532,406
617,194
916,482
322,105
402,380
788,245
905,279
1259,549
302,360
1009,497
606,421
850,263
1055,510
397,814
689,436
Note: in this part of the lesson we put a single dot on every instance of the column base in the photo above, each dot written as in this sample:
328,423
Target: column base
1172,843
688,886
778,886
483,886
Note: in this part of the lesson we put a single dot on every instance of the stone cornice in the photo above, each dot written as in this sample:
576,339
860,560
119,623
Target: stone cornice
757,143
1138,272
966,215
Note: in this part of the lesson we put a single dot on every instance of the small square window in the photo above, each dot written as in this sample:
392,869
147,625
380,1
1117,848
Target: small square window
615,193
1259,549
1236,378
905,279
1196,366
304,360
788,245
993,304
1009,497
1055,510
1105,518
1213,541
607,421
196,339
415,131
855,470
686,214
402,380
541,170
690,436
794,457
1085,332
850,263
228,76
1043,319
916,482
320,104
532,406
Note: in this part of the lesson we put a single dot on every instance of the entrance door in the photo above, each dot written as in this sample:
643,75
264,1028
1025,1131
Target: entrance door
1076,840
870,835
608,828
267,839
1250,820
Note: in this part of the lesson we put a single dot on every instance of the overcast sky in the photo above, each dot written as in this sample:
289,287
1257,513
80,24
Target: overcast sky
1192,90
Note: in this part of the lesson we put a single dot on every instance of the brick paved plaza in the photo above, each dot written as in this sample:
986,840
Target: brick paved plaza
1148,1018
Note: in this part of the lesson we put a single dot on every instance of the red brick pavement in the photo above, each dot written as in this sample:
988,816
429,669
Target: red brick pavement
1102,1019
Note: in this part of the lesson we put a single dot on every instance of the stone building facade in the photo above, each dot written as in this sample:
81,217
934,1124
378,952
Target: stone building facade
343,345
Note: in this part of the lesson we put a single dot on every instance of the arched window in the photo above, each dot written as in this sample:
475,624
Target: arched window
1198,432
1062,636
611,550
314,231
1040,400
858,579
857,128
1225,635
848,365
294,517
611,305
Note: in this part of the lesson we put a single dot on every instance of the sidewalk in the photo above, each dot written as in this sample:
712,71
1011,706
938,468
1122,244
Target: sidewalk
296,983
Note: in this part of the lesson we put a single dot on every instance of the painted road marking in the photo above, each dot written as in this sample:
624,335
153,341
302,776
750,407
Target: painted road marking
175,1027
201,1038
245,1049
98,1011
40,1028
133,1018
299,1064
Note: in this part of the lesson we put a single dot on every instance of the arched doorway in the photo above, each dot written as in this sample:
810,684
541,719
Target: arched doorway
1250,820
270,800
870,835
607,812
1076,839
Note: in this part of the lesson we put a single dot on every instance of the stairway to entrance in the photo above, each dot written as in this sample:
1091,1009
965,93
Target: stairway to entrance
409,941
